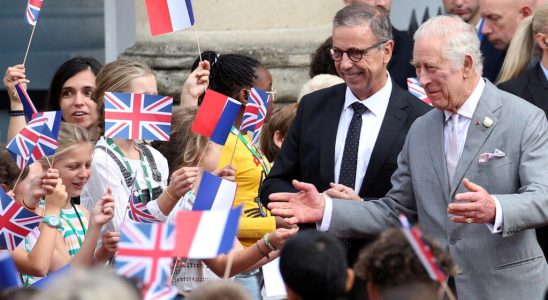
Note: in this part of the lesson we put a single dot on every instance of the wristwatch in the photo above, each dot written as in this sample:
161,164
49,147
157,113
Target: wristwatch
53,221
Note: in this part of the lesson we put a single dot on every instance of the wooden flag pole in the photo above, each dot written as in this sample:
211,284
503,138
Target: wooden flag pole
229,265
448,291
202,156
197,41
233,150
28,45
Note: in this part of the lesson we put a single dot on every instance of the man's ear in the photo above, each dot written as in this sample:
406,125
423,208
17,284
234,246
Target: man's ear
349,279
525,11
467,66
278,139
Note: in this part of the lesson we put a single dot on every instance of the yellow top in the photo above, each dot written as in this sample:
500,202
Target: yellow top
248,176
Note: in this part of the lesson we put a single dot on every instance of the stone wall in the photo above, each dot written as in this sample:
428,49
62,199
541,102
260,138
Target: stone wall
280,33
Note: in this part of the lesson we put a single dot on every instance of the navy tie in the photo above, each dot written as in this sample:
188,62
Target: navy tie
347,174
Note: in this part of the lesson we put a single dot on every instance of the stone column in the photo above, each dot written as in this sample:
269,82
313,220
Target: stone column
280,33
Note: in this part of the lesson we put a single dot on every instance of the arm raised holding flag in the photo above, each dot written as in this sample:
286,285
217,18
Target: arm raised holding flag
13,76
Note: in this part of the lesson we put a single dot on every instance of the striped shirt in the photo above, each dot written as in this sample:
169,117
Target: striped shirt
72,231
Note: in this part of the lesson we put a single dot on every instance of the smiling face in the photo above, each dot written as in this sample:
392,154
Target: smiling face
368,75
78,107
75,167
444,85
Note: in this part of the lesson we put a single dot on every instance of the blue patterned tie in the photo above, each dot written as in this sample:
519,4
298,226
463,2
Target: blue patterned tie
347,175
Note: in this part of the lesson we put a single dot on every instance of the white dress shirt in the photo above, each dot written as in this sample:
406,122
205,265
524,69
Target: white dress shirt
466,111
371,125
544,70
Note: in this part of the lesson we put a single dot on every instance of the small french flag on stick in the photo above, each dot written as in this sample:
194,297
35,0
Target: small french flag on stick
206,234
216,116
428,260
214,193
169,15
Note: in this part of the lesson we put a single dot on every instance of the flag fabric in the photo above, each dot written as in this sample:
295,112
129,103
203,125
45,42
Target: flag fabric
54,122
255,112
414,88
214,193
22,145
145,253
216,116
10,277
16,222
428,260
169,15
138,211
33,11
206,234
28,106
138,116
52,277
46,144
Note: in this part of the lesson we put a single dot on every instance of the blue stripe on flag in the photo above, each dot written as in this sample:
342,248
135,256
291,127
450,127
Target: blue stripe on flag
207,192
221,131
189,10
10,277
231,229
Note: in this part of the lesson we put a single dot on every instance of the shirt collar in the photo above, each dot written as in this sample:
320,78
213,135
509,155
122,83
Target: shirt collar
377,103
544,70
469,106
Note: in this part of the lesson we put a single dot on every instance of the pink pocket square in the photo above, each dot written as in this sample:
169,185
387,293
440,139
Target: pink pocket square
485,157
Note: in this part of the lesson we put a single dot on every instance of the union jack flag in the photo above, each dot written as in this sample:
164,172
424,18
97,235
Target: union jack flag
32,12
418,91
15,222
138,211
145,253
137,116
255,112
22,145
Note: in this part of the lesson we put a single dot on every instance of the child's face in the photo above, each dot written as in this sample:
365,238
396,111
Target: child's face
35,170
75,168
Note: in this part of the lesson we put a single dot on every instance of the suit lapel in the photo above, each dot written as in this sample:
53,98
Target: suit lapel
393,122
477,133
437,150
328,133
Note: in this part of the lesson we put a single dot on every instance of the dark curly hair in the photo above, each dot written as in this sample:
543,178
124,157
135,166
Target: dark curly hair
321,61
390,261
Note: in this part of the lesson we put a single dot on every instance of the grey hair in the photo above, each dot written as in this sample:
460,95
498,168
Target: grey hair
359,14
460,39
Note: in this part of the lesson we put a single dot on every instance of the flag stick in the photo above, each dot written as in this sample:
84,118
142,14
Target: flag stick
448,291
233,150
197,41
173,270
229,264
18,178
28,45
202,156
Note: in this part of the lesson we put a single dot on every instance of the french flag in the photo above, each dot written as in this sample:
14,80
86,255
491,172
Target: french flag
10,277
206,234
214,193
169,15
216,116
428,260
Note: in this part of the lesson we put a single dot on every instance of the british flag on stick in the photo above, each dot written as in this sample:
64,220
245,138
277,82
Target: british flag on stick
33,11
255,112
23,144
137,116
16,222
145,253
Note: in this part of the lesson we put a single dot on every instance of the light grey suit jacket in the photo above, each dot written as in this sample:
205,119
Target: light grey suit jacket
509,265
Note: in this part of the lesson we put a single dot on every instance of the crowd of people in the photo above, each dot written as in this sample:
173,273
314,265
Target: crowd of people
326,183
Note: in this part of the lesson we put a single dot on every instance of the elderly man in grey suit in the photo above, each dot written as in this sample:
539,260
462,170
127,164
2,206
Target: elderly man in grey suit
472,171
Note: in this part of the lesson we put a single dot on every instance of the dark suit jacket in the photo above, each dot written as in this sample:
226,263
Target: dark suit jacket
399,66
308,151
492,59
531,85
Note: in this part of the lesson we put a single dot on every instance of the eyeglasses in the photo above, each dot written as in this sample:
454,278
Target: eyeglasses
353,54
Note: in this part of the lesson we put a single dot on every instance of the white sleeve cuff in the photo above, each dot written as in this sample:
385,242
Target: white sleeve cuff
324,224
155,211
497,226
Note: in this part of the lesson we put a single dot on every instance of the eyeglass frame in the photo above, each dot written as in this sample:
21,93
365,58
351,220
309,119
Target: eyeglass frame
363,52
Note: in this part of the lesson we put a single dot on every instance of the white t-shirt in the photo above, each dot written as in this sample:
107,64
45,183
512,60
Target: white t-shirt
105,172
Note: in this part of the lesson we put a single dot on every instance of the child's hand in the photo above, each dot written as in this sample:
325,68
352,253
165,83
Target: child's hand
58,198
103,211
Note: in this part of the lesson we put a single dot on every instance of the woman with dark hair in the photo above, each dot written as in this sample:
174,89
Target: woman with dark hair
70,90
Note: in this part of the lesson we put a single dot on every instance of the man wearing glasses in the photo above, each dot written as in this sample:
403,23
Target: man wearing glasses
347,138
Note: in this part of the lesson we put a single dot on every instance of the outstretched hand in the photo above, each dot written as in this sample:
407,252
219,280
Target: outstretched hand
305,206
475,206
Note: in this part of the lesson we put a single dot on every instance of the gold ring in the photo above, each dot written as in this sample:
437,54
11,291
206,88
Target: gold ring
469,220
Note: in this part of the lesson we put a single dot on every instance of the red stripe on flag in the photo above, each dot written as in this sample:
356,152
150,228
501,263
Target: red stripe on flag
158,16
209,113
187,224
